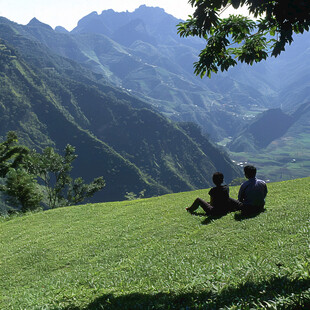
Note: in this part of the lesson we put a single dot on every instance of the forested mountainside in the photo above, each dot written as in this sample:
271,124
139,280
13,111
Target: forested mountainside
269,126
53,101
142,52
277,142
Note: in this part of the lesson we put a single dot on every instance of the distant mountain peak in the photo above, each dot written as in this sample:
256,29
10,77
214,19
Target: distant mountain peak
94,13
152,10
108,11
61,29
36,23
144,7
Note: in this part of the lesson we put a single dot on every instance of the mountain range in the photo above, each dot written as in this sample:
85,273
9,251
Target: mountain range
142,53
51,101
126,81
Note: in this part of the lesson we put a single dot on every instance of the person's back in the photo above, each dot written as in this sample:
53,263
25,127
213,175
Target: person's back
219,197
252,193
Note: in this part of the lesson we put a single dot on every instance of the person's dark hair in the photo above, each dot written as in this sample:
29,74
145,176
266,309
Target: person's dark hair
218,178
249,171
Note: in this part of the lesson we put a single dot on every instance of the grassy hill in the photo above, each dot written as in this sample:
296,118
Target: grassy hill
151,254
277,142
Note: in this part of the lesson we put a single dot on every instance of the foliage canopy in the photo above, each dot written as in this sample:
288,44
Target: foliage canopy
22,189
19,186
11,154
240,38
53,170
22,171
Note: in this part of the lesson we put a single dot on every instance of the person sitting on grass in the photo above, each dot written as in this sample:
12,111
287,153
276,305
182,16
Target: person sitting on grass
252,193
220,202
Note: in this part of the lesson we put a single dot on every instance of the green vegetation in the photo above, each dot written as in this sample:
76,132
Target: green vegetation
161,74
19,186
285,158
152,254
22,191
53,170
51,101
276,164
20,169
277,143
240,38
11,154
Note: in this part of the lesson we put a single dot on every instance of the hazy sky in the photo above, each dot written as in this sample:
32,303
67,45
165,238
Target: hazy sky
67,13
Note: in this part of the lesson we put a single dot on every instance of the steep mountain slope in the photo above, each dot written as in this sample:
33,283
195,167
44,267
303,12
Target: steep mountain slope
29,105
277,142
284,80
270,126
290,73
266,127
227,103
142,52
50,100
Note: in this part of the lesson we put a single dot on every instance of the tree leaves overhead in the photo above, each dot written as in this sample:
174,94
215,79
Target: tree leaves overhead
239,38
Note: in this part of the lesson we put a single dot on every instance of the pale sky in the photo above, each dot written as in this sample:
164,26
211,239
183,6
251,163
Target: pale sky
67,13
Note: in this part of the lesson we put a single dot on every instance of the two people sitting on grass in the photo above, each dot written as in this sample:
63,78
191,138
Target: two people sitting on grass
251,197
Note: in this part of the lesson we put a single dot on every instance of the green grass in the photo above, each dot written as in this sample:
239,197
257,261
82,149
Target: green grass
275,162
152,254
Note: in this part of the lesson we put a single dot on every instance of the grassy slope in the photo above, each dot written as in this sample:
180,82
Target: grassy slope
275,162
287,157
151,254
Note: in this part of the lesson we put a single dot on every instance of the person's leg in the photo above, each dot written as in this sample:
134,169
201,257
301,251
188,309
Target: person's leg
194,206
235,205
200,203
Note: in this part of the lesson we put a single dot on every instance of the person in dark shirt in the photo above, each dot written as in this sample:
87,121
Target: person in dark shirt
252,193
220,203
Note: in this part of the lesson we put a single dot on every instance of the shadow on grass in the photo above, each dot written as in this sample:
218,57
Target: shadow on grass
238,216
211,218
198,213
241,216
289,294
208,218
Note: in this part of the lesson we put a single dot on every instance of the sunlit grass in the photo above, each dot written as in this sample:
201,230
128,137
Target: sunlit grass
284,159
152,254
